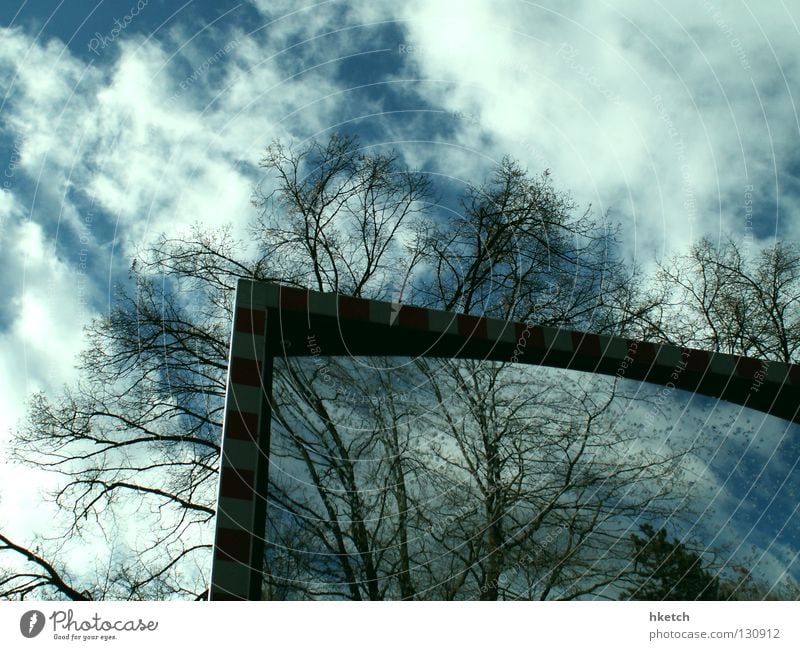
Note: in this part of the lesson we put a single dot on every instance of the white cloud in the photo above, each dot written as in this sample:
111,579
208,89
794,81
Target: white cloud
39,348
642,107
105,140
661,112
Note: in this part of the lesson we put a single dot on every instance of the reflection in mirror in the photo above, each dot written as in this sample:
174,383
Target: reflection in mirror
437,479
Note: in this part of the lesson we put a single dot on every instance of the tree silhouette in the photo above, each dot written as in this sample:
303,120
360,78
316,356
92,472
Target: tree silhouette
477,489
668,570
719,297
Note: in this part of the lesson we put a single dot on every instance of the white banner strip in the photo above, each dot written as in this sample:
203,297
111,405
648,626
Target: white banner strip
350,626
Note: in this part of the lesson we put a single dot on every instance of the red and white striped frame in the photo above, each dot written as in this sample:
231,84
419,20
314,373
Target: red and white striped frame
272,320
243,474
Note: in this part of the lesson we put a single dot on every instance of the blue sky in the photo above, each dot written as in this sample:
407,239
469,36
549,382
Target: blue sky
662,115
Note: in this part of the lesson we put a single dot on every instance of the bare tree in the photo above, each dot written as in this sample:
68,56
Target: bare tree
339,219
719,298
518,250
740,583
373,497
137,440
35,576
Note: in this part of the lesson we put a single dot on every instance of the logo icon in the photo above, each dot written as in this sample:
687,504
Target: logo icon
31,623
